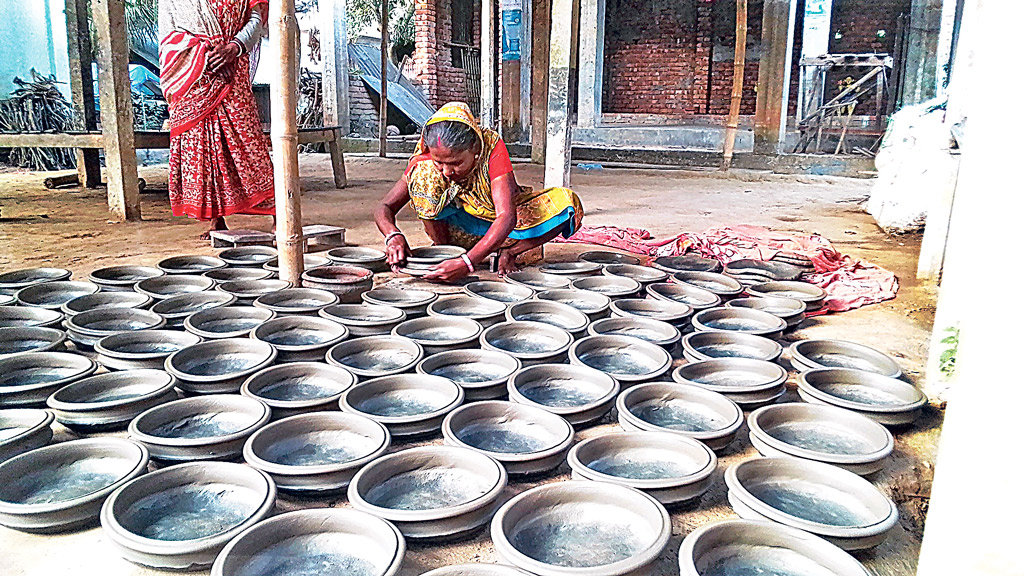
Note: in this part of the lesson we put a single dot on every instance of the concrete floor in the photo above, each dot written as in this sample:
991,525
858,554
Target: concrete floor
69,228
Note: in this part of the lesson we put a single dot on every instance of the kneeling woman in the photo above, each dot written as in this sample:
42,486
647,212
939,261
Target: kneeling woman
461,185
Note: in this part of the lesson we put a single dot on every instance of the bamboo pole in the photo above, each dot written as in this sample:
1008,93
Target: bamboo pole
383,125
739,60
285,137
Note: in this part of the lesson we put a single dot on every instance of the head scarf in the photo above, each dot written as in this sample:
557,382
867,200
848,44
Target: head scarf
450,112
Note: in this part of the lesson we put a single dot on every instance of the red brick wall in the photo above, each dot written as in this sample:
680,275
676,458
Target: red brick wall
440,81
858,22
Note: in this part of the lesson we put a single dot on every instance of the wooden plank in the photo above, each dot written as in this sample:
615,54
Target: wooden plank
541,26
334,49
334,147
82,89
54,140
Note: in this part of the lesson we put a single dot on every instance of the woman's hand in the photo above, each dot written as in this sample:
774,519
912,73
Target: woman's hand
222,58
397,251
506,262
448,270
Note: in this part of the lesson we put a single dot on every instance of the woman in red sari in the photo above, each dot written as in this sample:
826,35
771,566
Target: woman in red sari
220,164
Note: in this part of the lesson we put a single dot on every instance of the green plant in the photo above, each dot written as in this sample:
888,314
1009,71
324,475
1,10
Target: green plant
401,26
947,359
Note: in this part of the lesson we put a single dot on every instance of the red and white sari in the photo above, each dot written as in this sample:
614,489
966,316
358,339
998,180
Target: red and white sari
220,164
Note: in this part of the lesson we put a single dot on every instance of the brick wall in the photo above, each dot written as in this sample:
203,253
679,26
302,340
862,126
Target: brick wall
364,109
440,80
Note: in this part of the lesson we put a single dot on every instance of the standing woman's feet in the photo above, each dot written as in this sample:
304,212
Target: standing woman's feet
215,224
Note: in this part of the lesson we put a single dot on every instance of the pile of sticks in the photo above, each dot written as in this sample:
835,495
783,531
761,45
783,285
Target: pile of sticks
37,106
310,110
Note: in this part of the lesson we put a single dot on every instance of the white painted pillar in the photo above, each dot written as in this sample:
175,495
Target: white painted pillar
591,62
816,35
558,157
488,85
526,72
334,50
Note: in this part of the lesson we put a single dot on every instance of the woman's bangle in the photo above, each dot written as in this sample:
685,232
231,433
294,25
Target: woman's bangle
469,263
387,239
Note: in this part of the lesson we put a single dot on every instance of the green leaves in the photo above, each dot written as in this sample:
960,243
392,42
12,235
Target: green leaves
947,359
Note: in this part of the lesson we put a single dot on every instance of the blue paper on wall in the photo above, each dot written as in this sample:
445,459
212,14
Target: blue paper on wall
511,34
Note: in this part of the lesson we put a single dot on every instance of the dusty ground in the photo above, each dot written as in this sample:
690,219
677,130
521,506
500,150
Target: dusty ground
70,229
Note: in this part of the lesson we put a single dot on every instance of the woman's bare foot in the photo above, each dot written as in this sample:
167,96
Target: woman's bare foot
215,224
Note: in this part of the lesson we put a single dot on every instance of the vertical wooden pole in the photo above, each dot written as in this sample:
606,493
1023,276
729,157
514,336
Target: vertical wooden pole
334,49
285,137
82,88
383,125
558,156
739,61
541,18
116,110
769,118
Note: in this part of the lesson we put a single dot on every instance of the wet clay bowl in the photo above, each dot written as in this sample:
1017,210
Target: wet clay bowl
749,383
754,547
247,256
52,295
309,262
692,296
314,542
675,313
212,427
571,270
643,274
190,264
13,281
476,570
790,310
699,346
413,302
8,300
500,291
62,487
654,331
29,379
300,338
814,354
820,433
316,453
122,278
440,333
525,439
227,321
376,356
345,281
247,291
537,280
482,374
427,257
671,468
219,366
826,501
579,394
531,343
105,300
181,517
431,492
88,328
593,304
604,258
297,301
753,271
547,312
718,284
141,349
408,404
300,387
23,429
222,275
745,320
163,287
628,359
110,401
19,340
486,312
686,263
680,409
613,287
177,308
365,319
885,400
18,316
809,294
577,527
369,258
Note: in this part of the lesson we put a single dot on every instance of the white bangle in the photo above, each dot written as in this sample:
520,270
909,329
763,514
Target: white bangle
388,238
469,263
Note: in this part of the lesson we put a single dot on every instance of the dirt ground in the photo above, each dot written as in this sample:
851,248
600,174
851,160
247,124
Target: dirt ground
70,228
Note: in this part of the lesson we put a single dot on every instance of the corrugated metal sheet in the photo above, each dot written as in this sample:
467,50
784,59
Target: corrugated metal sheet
405,95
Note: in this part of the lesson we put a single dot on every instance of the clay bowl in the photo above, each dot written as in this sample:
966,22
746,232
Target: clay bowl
163,287
110,401
298,388
749,383
430,492
13,281
30,339
675,313
628,359
365,319
219,366
248,256
485,312
230,274
8,300
427,257
317,453
885,400
482,374
745,320
61,487
177,308
122,278
605,258
26,316
52,295
376,356
29,379
408,404
530,342
692,296
826,501
476,570
654,331
593,304
23,429
579,394
105,300
613,287
814,354
413,302
369,258
680,409
312,541
547,312
537,280
141,349
718,284
227,321
699,346
523,438
212,427
576,527
300,338
762,270
247,291
790,310
347,282
571,270
180,517
807,293
686,263
190,264
643,274
309,262
671,468
440,333
88,328
820,433
500,291
754,547
297,301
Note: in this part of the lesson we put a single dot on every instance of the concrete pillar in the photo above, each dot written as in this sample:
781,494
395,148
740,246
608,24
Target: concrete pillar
511,69
923,65
775,64
488,86
558,156
541,19
817,31
82,87
334,48
591,57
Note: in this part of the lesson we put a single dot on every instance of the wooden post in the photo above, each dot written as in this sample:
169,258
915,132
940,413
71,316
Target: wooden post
739,61
383,124
116,110
541,25
284,30
772,77
488,87
82,88
334,49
